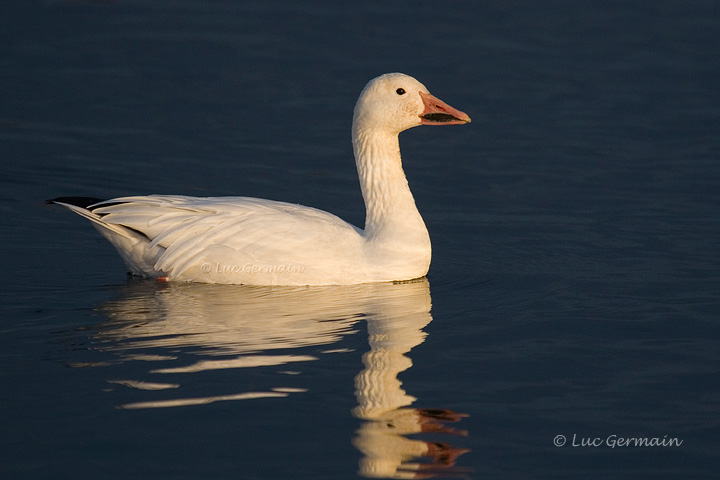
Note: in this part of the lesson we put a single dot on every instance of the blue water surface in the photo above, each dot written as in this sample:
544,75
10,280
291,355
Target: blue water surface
569,325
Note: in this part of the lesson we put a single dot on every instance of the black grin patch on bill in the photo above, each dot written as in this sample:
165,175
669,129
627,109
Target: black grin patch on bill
440,117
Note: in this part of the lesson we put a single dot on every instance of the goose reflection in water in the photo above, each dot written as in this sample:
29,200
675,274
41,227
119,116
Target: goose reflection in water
394,328
224,326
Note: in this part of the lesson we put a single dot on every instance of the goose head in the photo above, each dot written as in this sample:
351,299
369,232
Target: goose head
395,102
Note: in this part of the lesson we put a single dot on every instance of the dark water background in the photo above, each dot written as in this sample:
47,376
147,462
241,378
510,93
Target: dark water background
575,283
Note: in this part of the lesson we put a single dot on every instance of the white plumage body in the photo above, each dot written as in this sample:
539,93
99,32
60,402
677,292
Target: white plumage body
242,240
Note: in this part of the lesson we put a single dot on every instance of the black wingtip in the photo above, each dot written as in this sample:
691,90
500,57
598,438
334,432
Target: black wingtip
82,202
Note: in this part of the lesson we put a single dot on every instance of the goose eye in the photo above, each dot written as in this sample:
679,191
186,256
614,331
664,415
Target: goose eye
400,91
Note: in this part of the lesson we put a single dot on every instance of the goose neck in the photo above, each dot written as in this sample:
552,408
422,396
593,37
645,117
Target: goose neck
390,206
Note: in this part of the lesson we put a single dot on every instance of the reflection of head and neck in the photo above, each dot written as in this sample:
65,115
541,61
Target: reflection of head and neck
223,326
394,328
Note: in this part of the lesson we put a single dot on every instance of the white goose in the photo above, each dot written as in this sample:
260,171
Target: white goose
241,240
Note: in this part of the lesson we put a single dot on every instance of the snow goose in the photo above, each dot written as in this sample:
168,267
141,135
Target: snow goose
242,240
